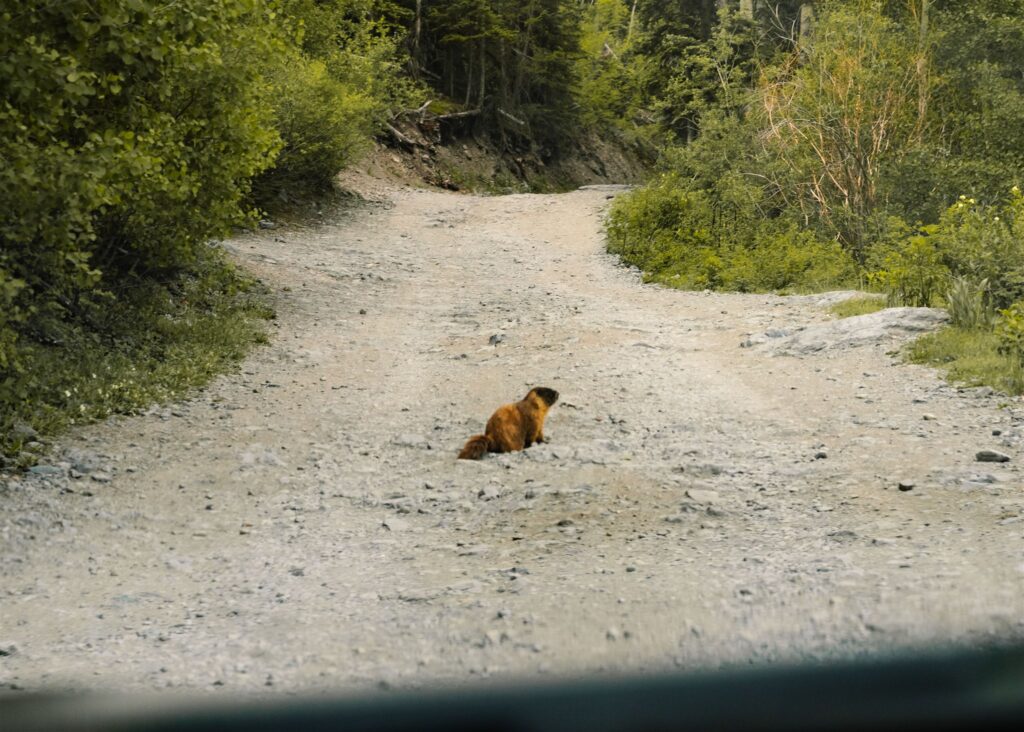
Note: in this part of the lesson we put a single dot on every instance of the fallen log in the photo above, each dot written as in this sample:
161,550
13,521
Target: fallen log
421,112
456,115
400,138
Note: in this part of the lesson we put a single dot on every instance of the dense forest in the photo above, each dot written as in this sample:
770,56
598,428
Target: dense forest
799,146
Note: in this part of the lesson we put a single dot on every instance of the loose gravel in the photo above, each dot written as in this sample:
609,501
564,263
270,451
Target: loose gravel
304,525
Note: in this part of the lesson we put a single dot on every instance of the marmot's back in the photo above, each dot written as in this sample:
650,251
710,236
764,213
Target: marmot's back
513,426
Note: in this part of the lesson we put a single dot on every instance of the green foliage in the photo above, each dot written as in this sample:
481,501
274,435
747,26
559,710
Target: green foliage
978,99
516,63
128,136
609,92
981,246
154,344
710,75
329,95
1011,332
788,260
10,315
323,124
137,125
687,239
863,131
840,112
986,243
967,303
837,136
708,223
913,274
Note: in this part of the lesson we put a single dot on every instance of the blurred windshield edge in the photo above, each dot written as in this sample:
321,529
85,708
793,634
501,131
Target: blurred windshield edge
940,690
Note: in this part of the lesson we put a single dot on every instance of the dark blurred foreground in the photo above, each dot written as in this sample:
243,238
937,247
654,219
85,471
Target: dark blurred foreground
955,690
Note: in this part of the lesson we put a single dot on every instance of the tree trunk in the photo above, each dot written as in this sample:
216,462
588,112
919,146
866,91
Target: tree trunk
451,73
503,79
923,80
632,21
483,72
417,28
521,64
806,24
469,78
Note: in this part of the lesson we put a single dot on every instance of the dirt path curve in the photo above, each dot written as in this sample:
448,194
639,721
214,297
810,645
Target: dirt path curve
304,524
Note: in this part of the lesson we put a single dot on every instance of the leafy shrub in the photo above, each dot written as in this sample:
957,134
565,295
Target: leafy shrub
914,273
128,135
986,243
687,239
329,93
9,316
788,259
979,97
982,245
840,111
967,303
322,123
152,344
1011,332
656,225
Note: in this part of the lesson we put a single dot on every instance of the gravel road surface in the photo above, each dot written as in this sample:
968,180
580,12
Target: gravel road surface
304,525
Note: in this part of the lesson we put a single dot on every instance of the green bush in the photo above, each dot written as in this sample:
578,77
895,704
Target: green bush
128,136
981,245
914,273
10,315
788,259
129,133
986,243
1011,332
653,226
152,344
323,124
329,94
687,239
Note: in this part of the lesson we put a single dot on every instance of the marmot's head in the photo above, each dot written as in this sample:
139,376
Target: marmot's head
550,396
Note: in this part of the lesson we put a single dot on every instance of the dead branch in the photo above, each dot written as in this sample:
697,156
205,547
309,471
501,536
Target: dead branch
503,113
400,138
455,115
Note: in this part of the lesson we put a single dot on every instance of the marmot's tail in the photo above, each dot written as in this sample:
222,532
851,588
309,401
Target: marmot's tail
476,447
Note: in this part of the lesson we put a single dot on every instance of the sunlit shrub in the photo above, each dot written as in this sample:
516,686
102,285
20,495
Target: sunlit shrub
129,133
322,123
1011,331
913,274
683,239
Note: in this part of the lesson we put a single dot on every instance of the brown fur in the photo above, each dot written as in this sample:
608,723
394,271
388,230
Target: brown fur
513,426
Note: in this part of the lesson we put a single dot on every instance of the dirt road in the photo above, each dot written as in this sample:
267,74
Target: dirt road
304,524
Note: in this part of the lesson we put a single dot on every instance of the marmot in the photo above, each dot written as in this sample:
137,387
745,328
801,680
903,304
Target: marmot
513,426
